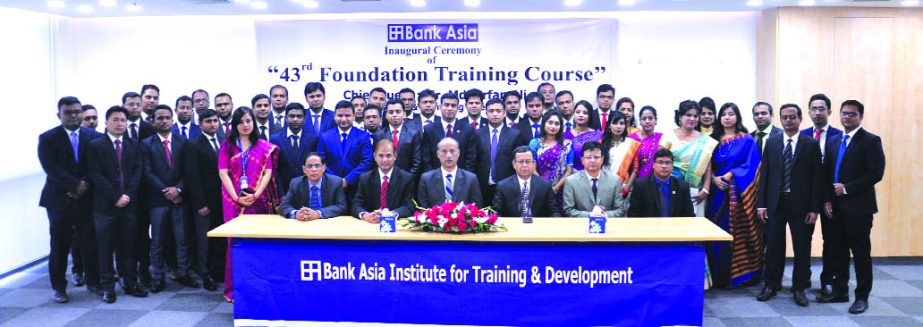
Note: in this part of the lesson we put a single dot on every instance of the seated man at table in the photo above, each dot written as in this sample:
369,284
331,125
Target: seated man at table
448,183
315,195
385,187
660,194
509,202
593,187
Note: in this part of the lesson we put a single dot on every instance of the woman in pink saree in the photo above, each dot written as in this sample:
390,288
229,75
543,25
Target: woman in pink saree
245,165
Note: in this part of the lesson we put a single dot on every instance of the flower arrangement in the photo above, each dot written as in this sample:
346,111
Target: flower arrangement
452,217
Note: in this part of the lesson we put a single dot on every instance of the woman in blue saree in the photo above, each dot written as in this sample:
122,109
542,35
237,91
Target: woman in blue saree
732,203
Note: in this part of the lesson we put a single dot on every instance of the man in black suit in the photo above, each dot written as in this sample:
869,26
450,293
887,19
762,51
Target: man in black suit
278,94
224,106
512,102
384,187
448,126
660,194
184,125
138,129
294,144
203,193
565,107
262,109
496,143
115,167
762,117
548,95
448,183
150,98
856,162
315,195
474,103
164,176
790,192
427,104
409,99
539,198
530,126
62,152
408,141
605,95
318,119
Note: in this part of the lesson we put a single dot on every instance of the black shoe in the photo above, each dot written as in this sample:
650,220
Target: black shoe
157,285
59,296
826,289
209,283
78,279
146,280
109,296
800,298
859,306
136,291
188,281
174,276
833,298
95,289
766,294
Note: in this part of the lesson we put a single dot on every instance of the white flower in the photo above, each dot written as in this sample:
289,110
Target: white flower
481,220
595,228
442,220
384,227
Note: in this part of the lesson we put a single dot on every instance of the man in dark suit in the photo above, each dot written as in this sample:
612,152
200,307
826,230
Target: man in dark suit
539,198
822,132
660,194
474,103
565,107
790,192
449,183
315,195
224,106
262,109
346,149
384,187
531,126
605,95
203,189
184,125
548,95
762,116
495,144
278,94
448,126
62,152
856,162
427,104
150,98
512,102
138,129
407,140
164,176
294,144
115,167
318,120
409,99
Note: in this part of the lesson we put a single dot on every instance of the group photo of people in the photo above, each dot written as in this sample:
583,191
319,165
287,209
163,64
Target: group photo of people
134,186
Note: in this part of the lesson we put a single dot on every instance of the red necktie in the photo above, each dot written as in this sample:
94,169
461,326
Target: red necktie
383,199
394,139
227,128
118,156
817,134
474,125
166,148
605,118
448,132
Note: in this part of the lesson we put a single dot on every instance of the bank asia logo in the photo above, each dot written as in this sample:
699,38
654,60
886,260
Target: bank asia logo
432,32
311,271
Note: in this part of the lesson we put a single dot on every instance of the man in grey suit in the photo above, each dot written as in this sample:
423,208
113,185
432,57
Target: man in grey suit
593,187
315,195
448,183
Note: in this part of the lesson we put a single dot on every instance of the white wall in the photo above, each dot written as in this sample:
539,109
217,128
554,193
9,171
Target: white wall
30,108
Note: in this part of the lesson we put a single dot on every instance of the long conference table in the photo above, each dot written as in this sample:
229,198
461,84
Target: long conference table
552,272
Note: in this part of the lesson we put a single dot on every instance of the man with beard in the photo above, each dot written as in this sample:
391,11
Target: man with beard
278,95
184,125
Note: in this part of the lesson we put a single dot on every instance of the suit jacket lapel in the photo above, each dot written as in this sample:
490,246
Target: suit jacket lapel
456,182
440,185
531,187
376,191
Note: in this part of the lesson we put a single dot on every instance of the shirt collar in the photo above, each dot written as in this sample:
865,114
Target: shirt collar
853,133
767,130
346,131
113,138
382,175
398,129
169,137
188,124
297,135
524,180
446,172
825,128
319,182
785,138
445,125
72,131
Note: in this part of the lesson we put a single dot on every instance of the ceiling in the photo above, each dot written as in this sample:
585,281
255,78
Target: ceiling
72,8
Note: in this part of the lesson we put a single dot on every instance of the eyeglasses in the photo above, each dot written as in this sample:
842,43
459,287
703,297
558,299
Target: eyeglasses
816,109
592,157
313,166
663,162
607,97
787,117
523,162
849,114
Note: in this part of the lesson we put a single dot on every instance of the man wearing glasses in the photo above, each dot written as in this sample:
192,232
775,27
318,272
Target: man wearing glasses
525,192
660,194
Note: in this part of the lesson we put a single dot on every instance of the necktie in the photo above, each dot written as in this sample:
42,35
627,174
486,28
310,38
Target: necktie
394,139
227,128
474,124
817,134
184,132
535,132
605,118
383,199
759,140
664,188
263,132
315,198
566,127
343,142
493,151
215,145
134,131
118,160
595,189
448,132
294,142
166,149
279,120
428,121
448,187
74,146
787,167
839,158
317,124
524,202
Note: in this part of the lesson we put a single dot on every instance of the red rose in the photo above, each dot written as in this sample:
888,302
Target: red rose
462,227
492,219
472,223
462,212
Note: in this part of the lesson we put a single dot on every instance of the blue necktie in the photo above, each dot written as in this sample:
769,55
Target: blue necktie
493,152
535,133
343,142
839,158
566,127
665,197
315,198
184,132
74,146
317,124
448,188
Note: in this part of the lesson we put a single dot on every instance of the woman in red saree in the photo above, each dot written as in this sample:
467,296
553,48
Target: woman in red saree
245,165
